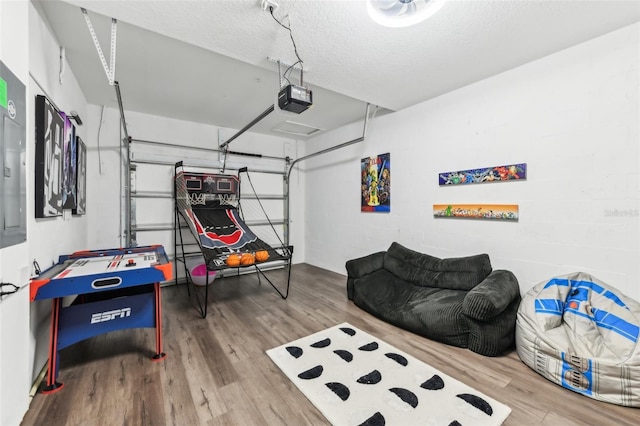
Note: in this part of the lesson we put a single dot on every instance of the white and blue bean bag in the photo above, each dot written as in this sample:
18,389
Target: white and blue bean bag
582,334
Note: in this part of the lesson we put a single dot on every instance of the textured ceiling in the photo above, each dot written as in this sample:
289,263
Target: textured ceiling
206,61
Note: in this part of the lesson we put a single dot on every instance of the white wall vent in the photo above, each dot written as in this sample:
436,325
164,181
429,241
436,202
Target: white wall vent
293,128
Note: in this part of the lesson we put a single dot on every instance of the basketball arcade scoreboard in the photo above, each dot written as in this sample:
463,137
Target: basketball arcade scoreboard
202,187
117,289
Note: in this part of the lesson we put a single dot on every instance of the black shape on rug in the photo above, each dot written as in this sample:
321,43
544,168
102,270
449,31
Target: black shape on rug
346,355
406,396
397,358
477,402
339,389
369,347
349,331
294,351
376,420
370,378
321,344
455,423
434,383
312,373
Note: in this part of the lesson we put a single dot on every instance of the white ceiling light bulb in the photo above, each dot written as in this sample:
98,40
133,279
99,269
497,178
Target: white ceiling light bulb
402,13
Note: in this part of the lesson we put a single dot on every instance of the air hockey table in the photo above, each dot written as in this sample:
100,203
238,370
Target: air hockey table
116,289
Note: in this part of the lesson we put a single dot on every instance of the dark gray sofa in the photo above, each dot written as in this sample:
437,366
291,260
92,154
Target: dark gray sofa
458,301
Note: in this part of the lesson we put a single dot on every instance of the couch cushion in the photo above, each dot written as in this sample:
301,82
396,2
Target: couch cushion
430,312
492,297
382,293
461,273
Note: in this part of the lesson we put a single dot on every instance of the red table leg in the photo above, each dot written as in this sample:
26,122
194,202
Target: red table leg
159,356
52,364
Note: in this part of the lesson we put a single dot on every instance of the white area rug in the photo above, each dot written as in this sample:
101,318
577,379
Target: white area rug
354,378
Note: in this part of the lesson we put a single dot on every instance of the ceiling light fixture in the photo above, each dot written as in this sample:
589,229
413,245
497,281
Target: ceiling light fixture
402,13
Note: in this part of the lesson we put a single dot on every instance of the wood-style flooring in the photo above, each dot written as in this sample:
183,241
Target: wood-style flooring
217,373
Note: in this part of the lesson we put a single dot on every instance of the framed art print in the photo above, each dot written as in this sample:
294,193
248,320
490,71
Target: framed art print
69,171
48,162
510,172
375,183
81,177
477,211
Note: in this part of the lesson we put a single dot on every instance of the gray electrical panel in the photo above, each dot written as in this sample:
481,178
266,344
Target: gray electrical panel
13,186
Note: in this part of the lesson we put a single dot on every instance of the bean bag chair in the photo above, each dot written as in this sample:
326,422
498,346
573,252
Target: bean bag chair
582,334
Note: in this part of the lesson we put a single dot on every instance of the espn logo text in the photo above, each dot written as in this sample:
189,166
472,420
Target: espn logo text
110,315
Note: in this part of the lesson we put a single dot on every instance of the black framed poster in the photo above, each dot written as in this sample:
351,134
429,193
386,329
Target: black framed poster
81,182
48,161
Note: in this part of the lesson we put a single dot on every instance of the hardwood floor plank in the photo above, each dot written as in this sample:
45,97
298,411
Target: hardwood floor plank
179,405
217,373
241,409
203,384
148,402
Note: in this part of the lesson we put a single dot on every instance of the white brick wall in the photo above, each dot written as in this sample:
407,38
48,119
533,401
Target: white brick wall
573,117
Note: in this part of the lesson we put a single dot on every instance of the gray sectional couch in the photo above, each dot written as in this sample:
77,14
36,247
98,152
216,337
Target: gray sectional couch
457,301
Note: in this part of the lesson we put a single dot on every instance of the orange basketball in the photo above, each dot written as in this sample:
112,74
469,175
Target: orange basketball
262,255
247,259
233,260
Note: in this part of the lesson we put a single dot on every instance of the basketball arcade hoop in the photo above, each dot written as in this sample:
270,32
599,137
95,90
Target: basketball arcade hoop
201,198
196,198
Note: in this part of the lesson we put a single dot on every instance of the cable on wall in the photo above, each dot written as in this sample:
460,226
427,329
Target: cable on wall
295,50
13,289
99,148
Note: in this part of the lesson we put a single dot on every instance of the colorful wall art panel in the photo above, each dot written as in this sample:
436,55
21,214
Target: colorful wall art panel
48,164
69,171
477,211
81,177
375,184
485,174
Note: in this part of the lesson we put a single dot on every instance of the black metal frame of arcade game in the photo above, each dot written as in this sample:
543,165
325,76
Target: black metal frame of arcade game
209,203
117,289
